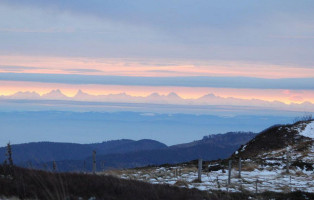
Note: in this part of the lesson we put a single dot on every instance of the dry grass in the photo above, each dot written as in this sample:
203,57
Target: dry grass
182,183
10,198
249,167
32,184
304,147
285,188
187,170
299,173
196,181
270,168
112,172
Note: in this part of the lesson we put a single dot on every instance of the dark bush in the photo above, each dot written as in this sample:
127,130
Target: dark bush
303,165
48,185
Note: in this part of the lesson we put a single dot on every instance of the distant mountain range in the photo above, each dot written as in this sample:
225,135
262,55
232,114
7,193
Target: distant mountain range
171,98
124,153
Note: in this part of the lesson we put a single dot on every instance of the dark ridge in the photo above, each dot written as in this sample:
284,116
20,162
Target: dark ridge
215,147
38,152
273,138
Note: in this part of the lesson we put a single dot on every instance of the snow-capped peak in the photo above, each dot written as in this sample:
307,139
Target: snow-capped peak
54,94
173,95
80,93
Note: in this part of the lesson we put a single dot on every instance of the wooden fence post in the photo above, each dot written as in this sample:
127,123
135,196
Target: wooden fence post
84,167
103,166
229,172
240,167
45,166
54,166
218,185
94,162
290,186
256,186
288,162
30,164
200,163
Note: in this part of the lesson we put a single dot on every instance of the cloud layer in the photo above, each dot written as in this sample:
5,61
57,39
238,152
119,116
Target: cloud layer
193,81
250,30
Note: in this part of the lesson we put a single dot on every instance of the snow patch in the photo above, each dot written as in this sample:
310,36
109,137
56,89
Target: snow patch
308,131
243,148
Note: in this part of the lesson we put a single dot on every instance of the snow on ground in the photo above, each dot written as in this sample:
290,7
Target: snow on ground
265,177
266,172
308,131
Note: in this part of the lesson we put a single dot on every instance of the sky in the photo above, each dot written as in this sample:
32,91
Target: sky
179,53
229,49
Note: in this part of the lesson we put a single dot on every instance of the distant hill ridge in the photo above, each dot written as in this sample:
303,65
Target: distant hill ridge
234,138
125,153
54,151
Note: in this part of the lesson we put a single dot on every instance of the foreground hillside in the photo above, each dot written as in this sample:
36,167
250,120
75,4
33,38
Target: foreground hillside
32,184
279,159
22,183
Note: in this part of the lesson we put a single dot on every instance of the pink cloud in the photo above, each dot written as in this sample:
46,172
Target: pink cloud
296,98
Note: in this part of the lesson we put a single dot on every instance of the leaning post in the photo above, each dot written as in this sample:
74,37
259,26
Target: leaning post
54,166
200,163
256,189
229,172
94,162
240,167
287,161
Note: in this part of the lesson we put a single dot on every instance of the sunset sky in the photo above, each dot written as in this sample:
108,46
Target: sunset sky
170,70
246,50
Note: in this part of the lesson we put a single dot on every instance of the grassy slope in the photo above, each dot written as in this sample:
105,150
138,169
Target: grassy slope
32,184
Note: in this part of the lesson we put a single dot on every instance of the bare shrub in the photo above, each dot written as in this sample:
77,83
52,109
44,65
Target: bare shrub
196,181
306,117
299,173
182,183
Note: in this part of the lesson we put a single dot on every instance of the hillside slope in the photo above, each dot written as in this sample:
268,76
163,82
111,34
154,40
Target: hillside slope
33,184
279,159
295,141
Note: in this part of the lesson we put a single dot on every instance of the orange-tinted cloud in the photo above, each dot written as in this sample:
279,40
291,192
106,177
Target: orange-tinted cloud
296,98
160,68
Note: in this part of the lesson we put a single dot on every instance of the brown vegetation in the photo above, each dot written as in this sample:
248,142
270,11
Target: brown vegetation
33,184
29,184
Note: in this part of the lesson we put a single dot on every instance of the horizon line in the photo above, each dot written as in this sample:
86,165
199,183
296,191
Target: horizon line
80,91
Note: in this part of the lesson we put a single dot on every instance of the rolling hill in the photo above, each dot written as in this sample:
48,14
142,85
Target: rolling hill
38,152
209,148
124,153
